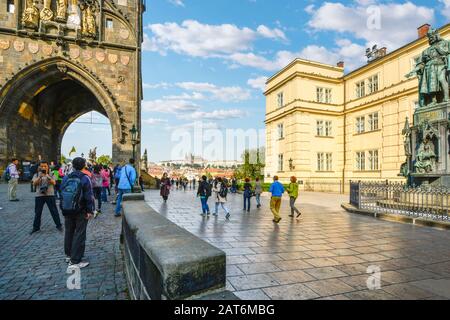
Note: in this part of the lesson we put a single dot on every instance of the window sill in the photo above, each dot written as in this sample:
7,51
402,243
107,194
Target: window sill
326,137
324,171
279,139
365,132
367,171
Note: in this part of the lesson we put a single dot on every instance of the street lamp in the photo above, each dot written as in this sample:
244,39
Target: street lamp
291,167
134,140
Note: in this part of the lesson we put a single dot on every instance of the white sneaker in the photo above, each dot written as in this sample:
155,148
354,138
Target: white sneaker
80,265
67,259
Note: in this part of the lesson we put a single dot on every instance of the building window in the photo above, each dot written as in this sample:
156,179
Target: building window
10,7
109,23
372,85
360,122
319,128
329,161
319,94
360,89
360,161
328,128
320,161
373,159
280,162
327,95
280,131
373,121
280,98
323,95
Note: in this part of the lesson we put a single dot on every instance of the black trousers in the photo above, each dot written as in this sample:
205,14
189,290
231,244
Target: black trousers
98,196
75,236
39,206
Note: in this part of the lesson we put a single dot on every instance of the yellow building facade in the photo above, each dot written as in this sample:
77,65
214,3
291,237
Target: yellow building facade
327,127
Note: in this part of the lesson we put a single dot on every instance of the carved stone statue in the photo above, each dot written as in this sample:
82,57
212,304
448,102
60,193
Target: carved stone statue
432,70
74,15
61,10
406,132
426,157
93,154
30,16
88,21
46,12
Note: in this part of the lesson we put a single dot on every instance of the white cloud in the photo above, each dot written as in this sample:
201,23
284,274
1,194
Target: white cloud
154,121
204,40
391,24
446,10
258,83
215,115
169,106
224,94
186,96
161,85
178,3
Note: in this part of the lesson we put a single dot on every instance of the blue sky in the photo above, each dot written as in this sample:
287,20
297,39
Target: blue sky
208,60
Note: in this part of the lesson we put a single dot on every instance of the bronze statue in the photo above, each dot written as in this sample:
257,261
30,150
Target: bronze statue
432,70
88,23
30,16
61,10
426,157
46,12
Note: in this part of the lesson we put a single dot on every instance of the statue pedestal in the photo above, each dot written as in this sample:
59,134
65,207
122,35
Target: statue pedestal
430,160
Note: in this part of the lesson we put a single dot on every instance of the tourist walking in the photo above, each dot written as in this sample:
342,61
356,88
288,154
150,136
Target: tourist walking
33,170
277,190
58,179
258,192
165,187
247,194
220,190
12,176
126,182
204,192
97,187
77,207
141,183
106,183
292,190
45,182
116,172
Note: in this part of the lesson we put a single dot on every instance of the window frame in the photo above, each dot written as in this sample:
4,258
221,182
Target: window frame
361,89
374,164
280,131
280,162
329,161
320,161
360,160
360,124
328,128
280,99
320,128
373,119
107,21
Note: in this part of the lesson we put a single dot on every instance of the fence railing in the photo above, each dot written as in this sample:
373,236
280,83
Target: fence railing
398,198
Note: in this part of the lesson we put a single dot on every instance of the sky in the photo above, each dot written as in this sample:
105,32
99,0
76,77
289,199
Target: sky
206,61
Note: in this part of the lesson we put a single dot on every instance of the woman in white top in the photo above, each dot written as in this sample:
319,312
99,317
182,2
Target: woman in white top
220,190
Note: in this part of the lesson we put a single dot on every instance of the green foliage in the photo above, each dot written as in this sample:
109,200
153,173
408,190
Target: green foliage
104,160
253,164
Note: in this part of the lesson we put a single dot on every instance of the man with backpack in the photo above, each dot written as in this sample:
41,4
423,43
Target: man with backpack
221,190
126,182
204,192
77,207
11,175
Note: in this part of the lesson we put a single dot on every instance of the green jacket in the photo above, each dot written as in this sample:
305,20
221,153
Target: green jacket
292,190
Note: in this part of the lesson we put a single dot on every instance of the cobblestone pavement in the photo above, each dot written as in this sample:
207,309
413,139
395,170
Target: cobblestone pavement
33,266
324,255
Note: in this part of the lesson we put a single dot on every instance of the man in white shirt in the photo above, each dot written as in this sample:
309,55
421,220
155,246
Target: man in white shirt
13,180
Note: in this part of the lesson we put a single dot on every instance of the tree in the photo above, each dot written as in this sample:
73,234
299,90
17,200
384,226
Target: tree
104,160
253,164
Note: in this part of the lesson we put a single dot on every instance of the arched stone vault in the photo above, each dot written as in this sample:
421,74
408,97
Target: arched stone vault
40,102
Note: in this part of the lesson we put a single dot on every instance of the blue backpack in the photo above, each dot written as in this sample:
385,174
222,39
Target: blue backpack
6,174
72,193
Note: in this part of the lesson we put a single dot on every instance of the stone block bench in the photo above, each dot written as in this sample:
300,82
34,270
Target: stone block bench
165,261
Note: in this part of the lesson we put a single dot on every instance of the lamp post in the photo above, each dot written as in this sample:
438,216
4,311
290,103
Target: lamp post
134,140
291,167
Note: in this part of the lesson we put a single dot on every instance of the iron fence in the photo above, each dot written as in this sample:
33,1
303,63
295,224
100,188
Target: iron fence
398,198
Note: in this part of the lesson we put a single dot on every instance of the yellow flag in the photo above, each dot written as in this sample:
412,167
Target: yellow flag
73,150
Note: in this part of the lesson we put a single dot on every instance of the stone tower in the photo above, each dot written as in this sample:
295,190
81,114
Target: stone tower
60,59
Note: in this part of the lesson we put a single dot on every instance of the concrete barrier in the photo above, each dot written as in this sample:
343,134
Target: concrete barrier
164,261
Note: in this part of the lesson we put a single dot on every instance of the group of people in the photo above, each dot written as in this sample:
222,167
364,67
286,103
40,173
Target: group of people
219,187
77,187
